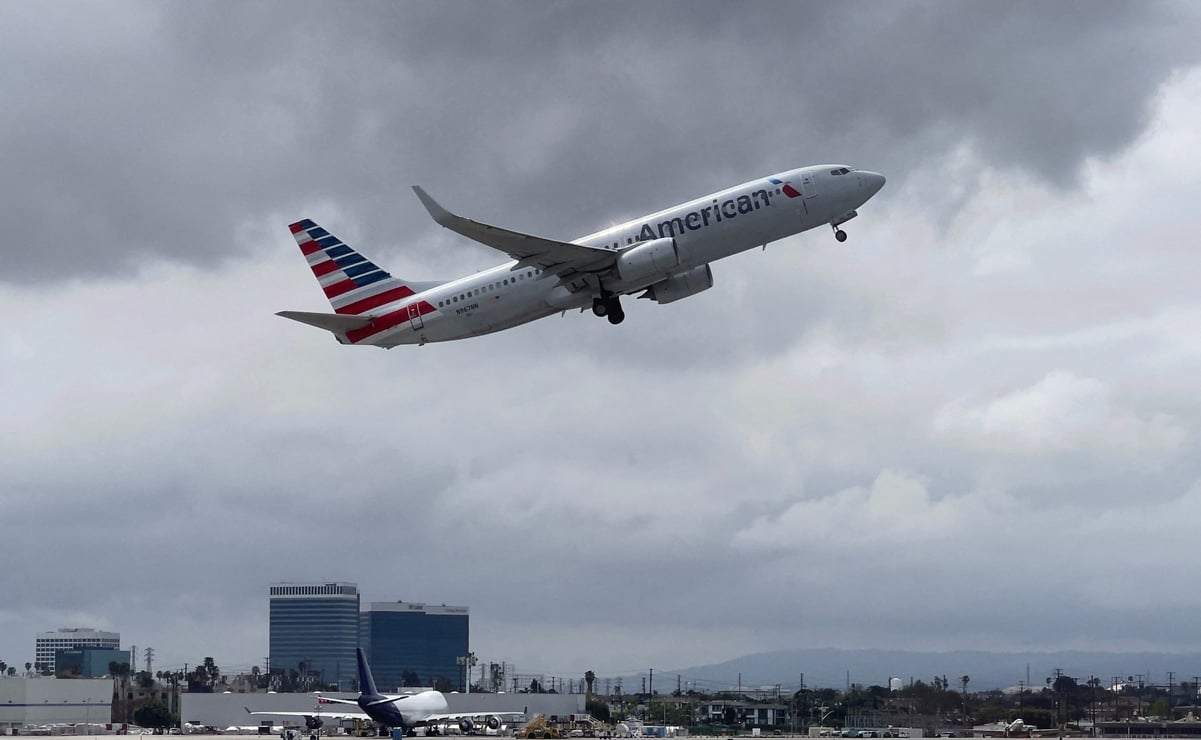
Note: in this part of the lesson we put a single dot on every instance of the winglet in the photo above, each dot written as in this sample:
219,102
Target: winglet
439,214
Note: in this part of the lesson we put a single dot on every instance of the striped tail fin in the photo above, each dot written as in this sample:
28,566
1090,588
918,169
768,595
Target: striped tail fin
353,284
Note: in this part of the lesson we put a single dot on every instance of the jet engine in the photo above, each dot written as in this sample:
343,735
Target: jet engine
492,722
466,725
649,260
681,285
313,723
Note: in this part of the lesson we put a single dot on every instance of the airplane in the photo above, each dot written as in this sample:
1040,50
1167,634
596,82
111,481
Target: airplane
665,255
403,711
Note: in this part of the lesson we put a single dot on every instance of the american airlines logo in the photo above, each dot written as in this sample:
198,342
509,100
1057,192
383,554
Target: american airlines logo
716,213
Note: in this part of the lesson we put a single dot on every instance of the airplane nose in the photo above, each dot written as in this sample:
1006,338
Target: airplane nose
871,181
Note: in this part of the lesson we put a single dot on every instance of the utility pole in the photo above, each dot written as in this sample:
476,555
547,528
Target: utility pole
652,691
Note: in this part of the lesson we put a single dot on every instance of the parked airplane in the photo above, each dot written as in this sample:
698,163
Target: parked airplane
404,711
666,255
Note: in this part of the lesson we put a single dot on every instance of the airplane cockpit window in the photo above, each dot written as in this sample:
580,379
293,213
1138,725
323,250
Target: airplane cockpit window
840,171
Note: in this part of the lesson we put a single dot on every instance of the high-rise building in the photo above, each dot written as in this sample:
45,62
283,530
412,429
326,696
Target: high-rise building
47,643
415,644
317,625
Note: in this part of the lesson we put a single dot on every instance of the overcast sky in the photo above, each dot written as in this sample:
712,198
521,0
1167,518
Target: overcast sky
974,425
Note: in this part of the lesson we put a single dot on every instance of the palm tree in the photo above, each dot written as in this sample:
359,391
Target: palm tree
964,681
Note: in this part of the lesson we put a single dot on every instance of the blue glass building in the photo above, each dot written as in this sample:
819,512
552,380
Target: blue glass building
420,642
316,624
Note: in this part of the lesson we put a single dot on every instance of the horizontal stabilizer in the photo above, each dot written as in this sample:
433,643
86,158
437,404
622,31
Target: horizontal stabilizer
335,322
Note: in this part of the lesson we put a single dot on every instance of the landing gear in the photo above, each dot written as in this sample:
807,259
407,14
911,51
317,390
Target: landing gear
609,305
839,234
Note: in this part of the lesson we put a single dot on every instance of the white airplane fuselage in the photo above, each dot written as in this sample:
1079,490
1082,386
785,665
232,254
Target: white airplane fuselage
705,230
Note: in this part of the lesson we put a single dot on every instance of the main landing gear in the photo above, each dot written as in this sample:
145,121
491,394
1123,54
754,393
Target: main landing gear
609,305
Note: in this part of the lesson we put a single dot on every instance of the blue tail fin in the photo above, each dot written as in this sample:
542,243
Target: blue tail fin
366,680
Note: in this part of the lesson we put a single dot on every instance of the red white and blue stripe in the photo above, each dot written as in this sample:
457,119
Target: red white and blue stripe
353,284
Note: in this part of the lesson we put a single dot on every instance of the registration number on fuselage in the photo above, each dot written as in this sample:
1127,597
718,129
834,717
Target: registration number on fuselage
467,309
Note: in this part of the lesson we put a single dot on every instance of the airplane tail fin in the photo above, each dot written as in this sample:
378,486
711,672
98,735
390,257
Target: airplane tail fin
366,680
354,285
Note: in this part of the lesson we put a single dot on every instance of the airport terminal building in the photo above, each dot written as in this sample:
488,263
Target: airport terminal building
26,702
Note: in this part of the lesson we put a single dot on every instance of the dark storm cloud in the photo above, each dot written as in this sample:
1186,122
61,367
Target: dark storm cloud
157,130
826,418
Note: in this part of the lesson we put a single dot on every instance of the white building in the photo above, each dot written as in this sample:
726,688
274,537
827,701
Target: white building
71,637
25,702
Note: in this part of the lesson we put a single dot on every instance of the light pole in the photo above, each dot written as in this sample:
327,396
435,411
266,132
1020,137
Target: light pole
468,662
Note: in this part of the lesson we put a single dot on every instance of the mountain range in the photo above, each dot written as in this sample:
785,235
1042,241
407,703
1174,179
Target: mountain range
836,668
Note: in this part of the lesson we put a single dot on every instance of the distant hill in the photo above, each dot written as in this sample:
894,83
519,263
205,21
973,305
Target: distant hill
829,668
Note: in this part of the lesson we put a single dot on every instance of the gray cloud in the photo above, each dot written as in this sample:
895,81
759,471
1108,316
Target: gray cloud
159,129
997,370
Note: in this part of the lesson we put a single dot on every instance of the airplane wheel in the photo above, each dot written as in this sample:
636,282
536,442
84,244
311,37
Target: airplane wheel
840,235
616,317
600,307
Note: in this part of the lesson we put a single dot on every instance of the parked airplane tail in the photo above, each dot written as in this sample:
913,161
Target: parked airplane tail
366,680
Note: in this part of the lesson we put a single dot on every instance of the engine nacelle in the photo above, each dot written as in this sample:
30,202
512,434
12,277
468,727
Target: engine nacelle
681,285
493,722
649,260
466,725
313,723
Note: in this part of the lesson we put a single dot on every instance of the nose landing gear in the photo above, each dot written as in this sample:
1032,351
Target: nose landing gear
839,234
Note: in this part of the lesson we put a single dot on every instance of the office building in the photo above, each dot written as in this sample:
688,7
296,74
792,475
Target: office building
415,644
89,662
47,643
315,625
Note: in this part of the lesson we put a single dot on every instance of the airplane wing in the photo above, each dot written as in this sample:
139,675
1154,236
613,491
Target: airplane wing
473,715
561,258
315,713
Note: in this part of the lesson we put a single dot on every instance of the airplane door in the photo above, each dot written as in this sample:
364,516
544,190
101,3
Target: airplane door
415,320
808,185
